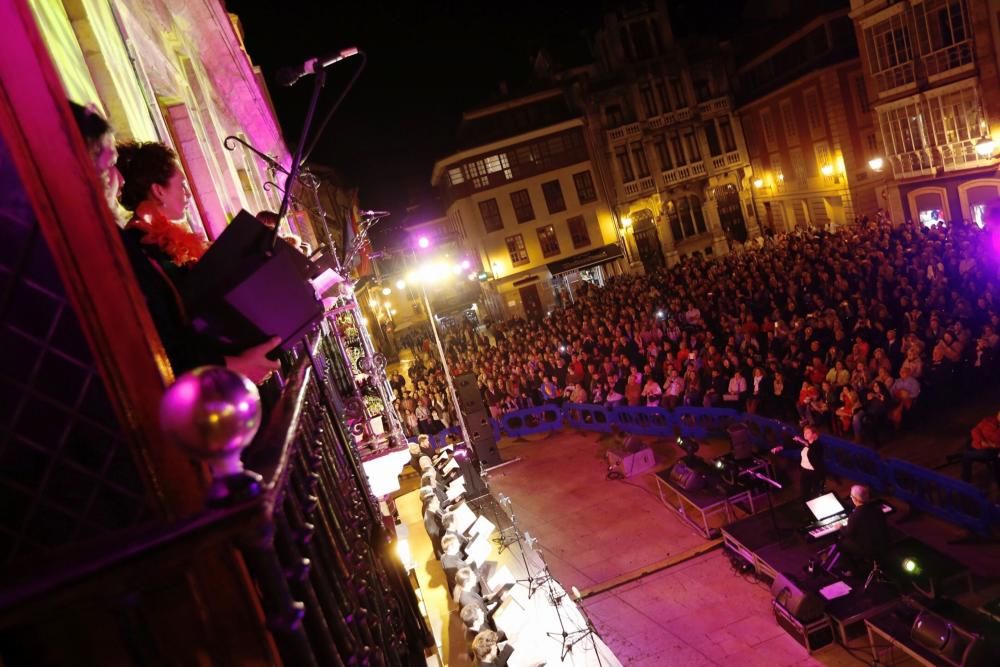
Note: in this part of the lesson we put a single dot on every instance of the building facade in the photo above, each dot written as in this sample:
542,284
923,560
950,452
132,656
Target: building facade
932,72
672,153
524,193
807,118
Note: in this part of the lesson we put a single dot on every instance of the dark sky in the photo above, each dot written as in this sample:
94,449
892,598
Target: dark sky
427,62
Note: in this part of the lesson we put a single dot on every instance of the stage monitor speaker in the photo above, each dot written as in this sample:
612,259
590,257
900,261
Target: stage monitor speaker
628,463
686,477
470,399
801,604
482,441
956,645
739,442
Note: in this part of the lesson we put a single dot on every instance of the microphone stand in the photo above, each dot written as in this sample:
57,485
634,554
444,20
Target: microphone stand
502,540
567,637
770,504
591,630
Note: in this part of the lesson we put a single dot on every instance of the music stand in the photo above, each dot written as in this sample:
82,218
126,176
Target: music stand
569,638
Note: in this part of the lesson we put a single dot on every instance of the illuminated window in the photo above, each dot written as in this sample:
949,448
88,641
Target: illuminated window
455,176
548,241
515,247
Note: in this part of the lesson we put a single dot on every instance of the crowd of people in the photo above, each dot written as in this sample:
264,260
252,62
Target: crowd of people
847,330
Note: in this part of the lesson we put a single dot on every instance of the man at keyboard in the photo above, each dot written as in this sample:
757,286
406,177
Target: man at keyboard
865,538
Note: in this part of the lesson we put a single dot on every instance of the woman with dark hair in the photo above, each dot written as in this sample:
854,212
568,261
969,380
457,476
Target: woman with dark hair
153,178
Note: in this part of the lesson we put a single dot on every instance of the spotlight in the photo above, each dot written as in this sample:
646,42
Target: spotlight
386,291
423,242
911,566
400,284
466,264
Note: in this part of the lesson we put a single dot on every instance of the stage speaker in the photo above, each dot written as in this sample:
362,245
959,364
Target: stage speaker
481,436
629,464
804,606
956,645
686,477
739,442
470,399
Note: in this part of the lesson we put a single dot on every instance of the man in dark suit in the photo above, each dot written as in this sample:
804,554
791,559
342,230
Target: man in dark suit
864,539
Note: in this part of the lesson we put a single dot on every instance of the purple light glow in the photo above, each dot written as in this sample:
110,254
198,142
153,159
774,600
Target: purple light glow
423,242
466,264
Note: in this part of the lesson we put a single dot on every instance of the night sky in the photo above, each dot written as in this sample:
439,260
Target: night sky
427,62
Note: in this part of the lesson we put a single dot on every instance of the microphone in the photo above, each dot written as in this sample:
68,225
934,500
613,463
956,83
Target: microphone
288,76
375,214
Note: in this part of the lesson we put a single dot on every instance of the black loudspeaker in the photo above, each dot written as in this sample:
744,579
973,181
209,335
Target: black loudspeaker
804,606
686,477
947,640
482,440
470,399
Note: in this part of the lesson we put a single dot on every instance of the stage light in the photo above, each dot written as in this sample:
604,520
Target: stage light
423,242
720,464
758,183
660,315
466,264
876,163
386,291
911,566
984,147
826,170
400,284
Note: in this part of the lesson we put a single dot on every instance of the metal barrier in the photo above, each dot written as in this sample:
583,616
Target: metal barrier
855,462
950,499
587,417
530,421
700,422
657,422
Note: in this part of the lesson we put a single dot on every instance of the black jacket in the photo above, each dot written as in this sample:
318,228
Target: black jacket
866,535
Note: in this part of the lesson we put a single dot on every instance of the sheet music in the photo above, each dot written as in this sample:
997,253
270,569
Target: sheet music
456,488
451,465
482,526
464,518
501,577
835,590
479,549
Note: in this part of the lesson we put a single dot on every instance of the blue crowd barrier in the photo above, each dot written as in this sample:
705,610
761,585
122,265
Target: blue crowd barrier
950,499
854,462
701,422
656,422
531,421
587,417
766,434
438,439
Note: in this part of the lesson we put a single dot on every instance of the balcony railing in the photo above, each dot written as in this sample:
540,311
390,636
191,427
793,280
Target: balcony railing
640,187
685,173
727,160
889,80
714,106
670,118
945,61
624,131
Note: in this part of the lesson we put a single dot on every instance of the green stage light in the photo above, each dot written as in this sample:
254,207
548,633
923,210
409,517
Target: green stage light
911,566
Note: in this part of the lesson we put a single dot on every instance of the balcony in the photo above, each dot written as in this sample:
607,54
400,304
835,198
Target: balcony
624,131
641,187
892,80
685,173
951,60
714,106
727,160
671,117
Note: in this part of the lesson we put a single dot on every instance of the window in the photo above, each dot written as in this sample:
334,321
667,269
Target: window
862,92
553,196
714,148
954,117
625,165
813,112
675,143
639,153
661,92
677,88
824,160
662,153
942,33
799,174
767,124
788,123
641,40
455,176
614,115
685,217
726,133
872,143
515,247
584,183
578,231
904,133
691,142
523,210
648,101
490,212
889,53
547,239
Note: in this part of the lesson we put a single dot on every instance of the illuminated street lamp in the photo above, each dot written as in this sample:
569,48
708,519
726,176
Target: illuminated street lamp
758,183
827,170
423,242
386,291
876,163
400,284
985,146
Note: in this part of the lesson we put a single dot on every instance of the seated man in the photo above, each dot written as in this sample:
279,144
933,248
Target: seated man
451,557
467,591
865,538
984,446
486,649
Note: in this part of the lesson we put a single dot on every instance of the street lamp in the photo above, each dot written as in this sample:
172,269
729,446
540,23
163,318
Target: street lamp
984,147
876,164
